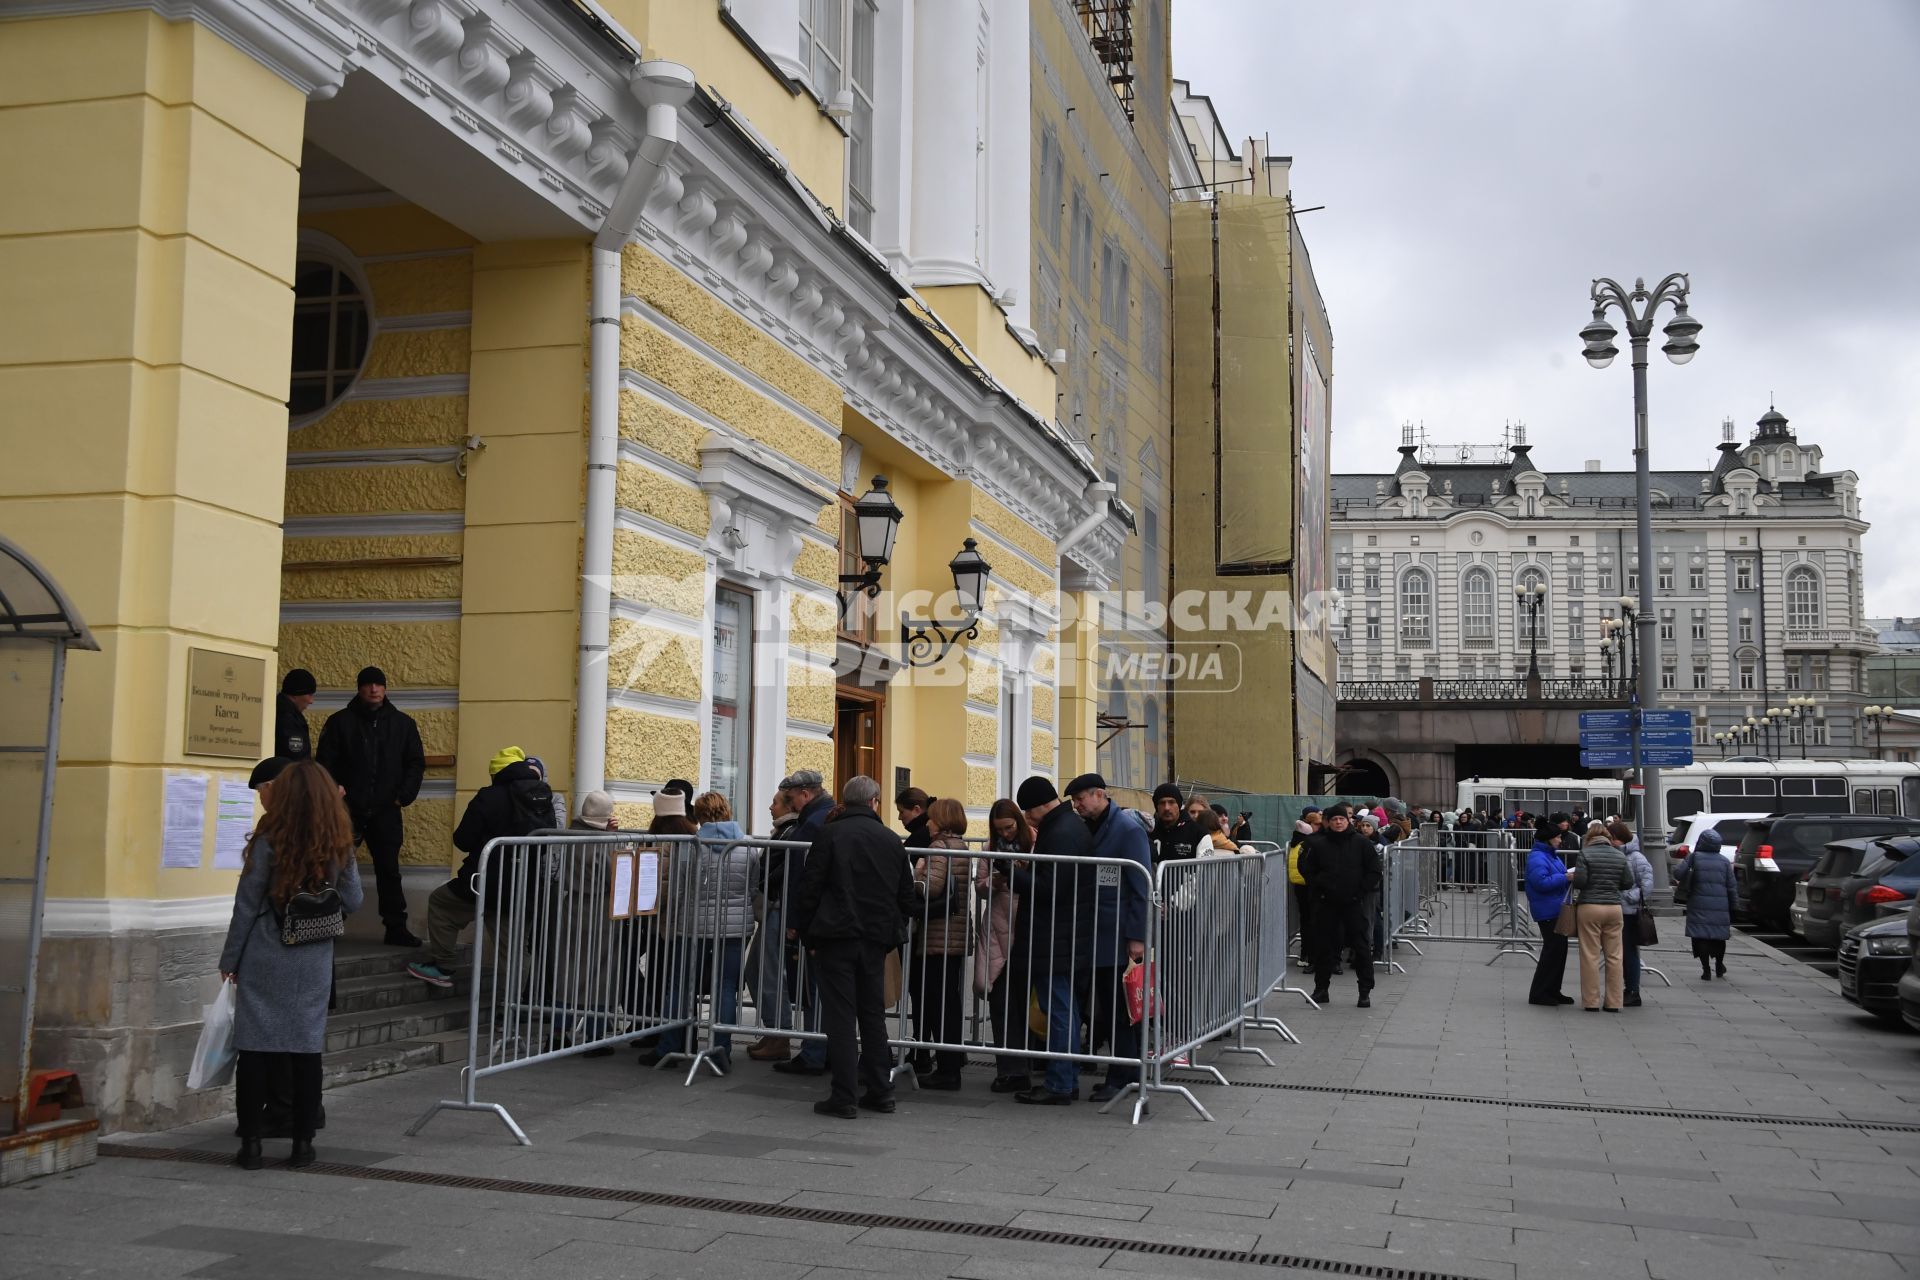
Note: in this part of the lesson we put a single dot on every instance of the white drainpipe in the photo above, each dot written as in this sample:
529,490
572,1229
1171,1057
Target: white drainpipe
1098,494
663,88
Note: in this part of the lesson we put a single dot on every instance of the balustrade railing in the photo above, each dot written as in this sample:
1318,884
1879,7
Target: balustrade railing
1587,689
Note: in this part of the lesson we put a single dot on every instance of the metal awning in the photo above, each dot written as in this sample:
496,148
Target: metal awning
32,606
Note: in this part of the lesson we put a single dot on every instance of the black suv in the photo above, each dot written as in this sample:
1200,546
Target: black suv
1777,851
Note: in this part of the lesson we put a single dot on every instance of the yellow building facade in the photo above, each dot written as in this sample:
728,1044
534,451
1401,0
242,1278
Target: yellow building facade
533,354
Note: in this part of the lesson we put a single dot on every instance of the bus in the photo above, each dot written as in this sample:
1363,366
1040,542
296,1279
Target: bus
1720,786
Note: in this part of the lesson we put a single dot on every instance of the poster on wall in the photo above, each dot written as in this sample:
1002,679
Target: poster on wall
1310,542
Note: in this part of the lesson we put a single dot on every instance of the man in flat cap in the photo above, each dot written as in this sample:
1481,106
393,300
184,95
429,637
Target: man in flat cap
1121,928
1059,905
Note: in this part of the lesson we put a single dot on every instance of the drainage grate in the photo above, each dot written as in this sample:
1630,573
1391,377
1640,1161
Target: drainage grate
797,1213
1591,1108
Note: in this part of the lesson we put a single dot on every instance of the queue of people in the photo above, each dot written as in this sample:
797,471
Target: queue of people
1591,884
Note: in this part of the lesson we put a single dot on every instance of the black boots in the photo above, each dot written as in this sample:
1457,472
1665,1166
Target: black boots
302,1154
249,1155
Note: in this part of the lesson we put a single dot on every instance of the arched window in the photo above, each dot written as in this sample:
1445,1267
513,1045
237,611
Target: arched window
331,332
1416,608
1476,609
1803,599
1527,618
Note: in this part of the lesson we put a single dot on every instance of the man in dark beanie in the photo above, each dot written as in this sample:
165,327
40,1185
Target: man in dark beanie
1343,872
1174,837
291,738
372,749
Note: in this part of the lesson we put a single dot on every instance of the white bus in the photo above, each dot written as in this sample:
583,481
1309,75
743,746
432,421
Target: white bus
1720,786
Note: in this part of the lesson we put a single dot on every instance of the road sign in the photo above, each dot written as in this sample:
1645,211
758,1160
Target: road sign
1606,740
1616,720
1666,738
1667,757
1606,759
1673,719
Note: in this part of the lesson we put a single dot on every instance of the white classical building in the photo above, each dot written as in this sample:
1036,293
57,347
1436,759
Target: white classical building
1757,578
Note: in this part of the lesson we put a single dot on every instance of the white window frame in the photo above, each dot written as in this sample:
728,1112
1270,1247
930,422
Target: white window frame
1743,574
1478,629
1416,612
1805,613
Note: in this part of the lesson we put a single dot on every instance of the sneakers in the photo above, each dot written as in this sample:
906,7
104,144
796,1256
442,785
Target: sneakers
431,974
397,936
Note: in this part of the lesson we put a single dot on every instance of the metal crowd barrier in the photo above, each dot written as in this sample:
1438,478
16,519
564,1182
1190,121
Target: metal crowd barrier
601,940
1456,894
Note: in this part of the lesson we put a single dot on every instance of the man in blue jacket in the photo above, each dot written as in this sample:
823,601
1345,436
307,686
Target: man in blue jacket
1547,882
1120,930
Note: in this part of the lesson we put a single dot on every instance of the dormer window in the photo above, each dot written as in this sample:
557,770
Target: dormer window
1787,462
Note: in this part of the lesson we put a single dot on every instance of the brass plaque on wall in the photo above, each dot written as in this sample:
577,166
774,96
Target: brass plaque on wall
226,704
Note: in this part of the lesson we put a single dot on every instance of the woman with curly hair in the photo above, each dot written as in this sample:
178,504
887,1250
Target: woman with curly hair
281,961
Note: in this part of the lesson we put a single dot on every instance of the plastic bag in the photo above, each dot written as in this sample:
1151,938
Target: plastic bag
1137,981
214,1056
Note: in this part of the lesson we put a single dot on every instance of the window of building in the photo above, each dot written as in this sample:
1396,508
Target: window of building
1372,580
1532,540
1373,622
1819,673
1574,541
1633,582
1803,599
1699,631
1116,288
1576,582
732,721
836,43
1669,678
1793,674
1416,608
1743,574
1527,620
1576,624
1373,539
1696,579
331,331
1343,580
1476,609
1053,176
1080,246
1666,624
1606,579
1746,674
1665,579
1699,673
1746,631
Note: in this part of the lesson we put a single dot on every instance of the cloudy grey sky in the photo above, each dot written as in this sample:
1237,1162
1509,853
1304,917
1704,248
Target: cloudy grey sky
1482,160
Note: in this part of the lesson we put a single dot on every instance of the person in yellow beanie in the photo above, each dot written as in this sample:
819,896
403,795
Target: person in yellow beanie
504,757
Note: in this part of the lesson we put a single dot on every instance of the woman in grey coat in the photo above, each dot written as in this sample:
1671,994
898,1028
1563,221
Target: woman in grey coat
1707,878
304,842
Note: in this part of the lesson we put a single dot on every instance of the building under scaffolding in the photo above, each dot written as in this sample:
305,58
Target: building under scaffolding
1109,25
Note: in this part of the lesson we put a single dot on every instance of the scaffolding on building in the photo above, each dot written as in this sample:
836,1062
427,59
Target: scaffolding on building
1109,26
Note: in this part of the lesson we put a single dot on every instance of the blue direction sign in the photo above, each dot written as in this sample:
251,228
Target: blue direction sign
1667,757
1666,738
1617,720
1606,759
1667,720
1606,740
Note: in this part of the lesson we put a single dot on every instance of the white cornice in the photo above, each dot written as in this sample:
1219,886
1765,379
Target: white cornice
306,47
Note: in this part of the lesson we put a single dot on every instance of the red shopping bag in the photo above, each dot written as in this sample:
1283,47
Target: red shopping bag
1138,981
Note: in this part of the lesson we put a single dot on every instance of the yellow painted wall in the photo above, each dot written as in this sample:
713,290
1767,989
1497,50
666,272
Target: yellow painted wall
146,261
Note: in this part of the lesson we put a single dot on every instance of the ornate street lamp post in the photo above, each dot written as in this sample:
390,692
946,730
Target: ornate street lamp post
1529,597
1638,307
1877,716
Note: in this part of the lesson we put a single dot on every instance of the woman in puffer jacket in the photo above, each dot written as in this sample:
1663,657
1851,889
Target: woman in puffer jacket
940,958
711,923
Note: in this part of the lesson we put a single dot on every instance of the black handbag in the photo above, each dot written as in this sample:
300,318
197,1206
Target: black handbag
1649,932
313,915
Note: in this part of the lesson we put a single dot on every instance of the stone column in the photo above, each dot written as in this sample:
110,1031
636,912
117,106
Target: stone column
147,243
949,130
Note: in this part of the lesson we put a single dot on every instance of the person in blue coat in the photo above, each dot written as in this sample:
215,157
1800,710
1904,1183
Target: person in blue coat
1120,930
1546,893
1707,878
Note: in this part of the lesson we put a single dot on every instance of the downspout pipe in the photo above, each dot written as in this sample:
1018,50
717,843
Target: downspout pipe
662,88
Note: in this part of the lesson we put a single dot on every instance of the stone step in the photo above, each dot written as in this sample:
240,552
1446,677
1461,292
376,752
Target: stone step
349,1066
362,959
394,991
385,1026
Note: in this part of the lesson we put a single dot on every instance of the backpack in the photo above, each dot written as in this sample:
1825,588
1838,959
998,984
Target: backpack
531,810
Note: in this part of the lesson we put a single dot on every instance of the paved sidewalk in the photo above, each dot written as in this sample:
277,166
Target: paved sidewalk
990,1189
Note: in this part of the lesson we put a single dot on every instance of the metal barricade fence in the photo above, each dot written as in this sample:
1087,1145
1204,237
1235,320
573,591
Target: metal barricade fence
584,940
571,952
1459,895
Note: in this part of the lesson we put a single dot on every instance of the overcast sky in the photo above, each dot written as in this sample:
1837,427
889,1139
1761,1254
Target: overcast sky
1482,161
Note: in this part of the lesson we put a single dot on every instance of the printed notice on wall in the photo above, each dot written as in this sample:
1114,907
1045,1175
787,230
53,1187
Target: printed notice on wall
183,820
646,889
622,885
231,825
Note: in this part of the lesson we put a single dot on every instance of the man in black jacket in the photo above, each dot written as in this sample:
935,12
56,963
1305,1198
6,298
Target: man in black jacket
1343,872
516,802
292,740
1061,904
1174,837
372,749
807,796
850,906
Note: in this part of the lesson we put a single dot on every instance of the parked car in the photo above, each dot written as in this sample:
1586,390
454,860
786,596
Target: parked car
1776,851
1885,884
1910,980
1731,826
1817,897
1874,960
